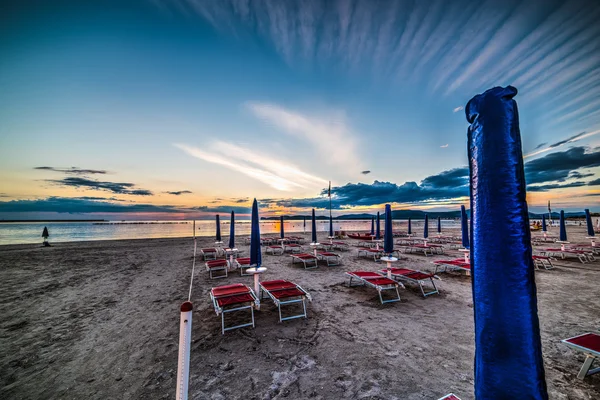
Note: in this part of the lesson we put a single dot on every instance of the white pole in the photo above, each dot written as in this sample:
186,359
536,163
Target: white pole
194,228
183,364
256,280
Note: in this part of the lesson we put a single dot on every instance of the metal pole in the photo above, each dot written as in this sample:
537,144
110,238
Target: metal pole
183,364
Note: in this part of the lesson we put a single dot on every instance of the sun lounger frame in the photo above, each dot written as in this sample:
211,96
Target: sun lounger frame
302,299
328,256
243,266
407,277
591,355
216,268
271,249
379,288
543,262
293,248
213,254
222,311
367,252
305,259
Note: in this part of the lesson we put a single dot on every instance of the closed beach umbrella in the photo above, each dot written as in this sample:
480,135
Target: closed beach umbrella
372,226
464,225
388,239
426,227
439,225
330,226
45,233
314,227
544,228
409,227
281,231
588,221
255,255
378,231
218,229
304,224
232,231
563,228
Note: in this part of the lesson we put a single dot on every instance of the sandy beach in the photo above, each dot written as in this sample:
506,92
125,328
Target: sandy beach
100,320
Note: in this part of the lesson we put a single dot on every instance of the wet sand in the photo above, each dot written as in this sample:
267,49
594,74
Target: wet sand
100,320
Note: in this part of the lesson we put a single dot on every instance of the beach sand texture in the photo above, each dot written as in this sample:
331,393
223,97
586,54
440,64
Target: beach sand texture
100,320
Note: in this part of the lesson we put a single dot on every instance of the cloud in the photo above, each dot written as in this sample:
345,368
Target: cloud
114,187
545,188
80,206
73,170
557,166
444,146
540,145
560,143
179,193
595,182
331,137
366,172
457,109
275,173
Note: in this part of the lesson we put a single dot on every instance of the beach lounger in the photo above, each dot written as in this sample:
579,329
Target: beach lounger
369,252
581,255
274,249
309,260
543,262
377,282
343,246
213,266
330,258
588,343
457,264
293,248
209,253
284,292
412,276
243,264
232,298
450,396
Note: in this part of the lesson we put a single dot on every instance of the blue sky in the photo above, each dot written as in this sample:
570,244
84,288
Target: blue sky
184,108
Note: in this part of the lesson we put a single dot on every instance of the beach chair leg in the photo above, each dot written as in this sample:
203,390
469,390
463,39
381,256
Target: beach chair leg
586,367
279,308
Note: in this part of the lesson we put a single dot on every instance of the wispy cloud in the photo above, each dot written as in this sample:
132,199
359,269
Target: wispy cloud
444,146
366,172
73,170
572,139
331,137
114,187
179,192
275,173
457,109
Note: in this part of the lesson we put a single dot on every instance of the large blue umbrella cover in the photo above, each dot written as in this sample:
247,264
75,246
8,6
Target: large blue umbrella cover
409,227
544,227
218,235
281,231
314,227
464,225
232,231
426,227
588,221
378,228
388,239
563,228
255,254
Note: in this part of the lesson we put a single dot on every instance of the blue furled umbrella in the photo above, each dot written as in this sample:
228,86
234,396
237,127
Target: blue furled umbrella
563,229
255,254
439,225
281,232
409,227
314,227
218,229
588,221
232,231
330,226
426,228
372,226
544,228
378,230
464,227
304,224
388,240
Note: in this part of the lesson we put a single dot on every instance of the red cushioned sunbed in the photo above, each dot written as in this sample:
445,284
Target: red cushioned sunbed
284,292
329,258
588,343
309,260
410,275
458,263
213,266
450,396
293,248
368,252
581,255
209,253
231,298
377,282
243,264
274,249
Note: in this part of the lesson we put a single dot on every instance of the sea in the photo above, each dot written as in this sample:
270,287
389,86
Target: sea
31,232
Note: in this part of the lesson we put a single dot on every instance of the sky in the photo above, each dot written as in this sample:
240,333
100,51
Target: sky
180,109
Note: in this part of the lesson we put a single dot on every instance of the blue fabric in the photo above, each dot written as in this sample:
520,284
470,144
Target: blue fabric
232,232
314,227
281,232
255,254
563,228
426,227
330,226
372,226
588,221
388,236
378,229
218,236
544,228
464,227
439,225
508,351
409,227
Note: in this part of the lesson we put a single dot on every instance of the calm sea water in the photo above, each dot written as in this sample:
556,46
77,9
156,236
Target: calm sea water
27,232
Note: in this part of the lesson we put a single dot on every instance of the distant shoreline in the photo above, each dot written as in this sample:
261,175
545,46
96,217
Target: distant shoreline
51,220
